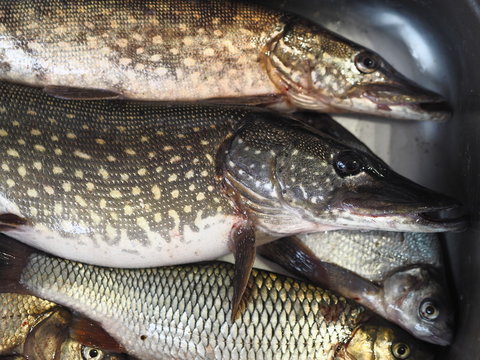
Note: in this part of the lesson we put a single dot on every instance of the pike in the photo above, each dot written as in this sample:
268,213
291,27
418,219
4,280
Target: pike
134,184
221,50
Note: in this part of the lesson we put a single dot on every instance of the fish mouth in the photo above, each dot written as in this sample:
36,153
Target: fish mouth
407,101
415,216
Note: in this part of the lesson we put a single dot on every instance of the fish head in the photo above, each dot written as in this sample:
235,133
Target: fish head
419,301
377,340
322,71
296,179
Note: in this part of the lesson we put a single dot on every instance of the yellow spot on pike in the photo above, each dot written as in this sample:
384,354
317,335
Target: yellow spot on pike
79,174
5,167
103,203
142,172
208,52
58,151
100,141
71,135
175,194
3,132
128,210
157,40
37,165
200,196
81,155
122,43
80,201
136,190
187,209
35,132
172,178
143,223
157,217
38,147
13,152
157,194
90,186
189,174
48,189
22,171
10,183
130,151
67,187
103,173
116,194
175,159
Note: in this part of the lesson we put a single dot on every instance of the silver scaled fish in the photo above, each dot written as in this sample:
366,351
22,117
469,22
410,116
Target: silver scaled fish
134,184
190,50
397,275
183,312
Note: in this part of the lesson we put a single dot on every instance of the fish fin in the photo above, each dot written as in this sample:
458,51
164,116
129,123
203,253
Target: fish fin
327,125
73,93
91,333
293,255
262,100
243,242
9,221
47,337
13,258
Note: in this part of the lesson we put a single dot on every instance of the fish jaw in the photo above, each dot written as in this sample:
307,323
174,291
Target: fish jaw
321,71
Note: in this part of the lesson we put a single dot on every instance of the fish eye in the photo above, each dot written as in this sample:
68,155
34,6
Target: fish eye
401,351
366,62
89,353
348,163
428,310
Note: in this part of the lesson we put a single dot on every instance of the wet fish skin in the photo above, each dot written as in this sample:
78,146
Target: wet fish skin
33,328
186,50
19,314
148,185
374,255
181,312
398,276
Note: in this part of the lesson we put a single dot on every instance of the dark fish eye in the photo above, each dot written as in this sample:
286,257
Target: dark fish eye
348,163
89,353
401,351
367,62
428,310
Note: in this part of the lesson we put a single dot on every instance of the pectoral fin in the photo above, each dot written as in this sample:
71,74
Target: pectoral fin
73,93
243,246
10,221
293,255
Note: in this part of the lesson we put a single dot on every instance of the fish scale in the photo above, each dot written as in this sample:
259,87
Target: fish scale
152,37
115,184
187,316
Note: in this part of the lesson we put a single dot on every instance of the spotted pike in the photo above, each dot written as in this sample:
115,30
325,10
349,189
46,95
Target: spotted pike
182,312
191,50
33,328
132,184
397,275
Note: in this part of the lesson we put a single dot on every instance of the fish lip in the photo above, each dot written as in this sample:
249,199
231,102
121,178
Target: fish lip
423,215
418,101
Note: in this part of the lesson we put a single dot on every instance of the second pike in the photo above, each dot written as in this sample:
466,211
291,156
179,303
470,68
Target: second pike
132,184
192,50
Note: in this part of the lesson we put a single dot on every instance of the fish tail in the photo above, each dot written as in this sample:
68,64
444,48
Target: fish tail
13,259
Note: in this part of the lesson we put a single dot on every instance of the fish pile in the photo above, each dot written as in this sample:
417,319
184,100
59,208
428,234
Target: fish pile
143,140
